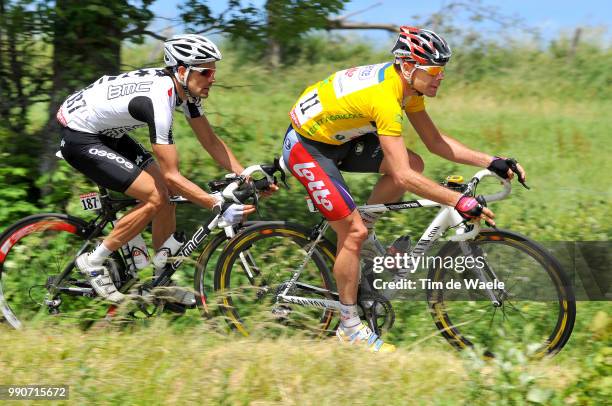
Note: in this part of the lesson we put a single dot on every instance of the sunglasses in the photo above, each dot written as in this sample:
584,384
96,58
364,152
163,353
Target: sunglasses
430,69
208,73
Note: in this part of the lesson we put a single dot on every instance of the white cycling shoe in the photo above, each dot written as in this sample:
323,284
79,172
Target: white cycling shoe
365,336
99,278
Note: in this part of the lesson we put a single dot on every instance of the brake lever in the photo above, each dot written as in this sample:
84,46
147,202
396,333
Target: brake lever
256,203
279,168
514,168
483,202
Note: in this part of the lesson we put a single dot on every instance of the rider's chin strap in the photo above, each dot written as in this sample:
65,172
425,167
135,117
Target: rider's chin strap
183,83
408,76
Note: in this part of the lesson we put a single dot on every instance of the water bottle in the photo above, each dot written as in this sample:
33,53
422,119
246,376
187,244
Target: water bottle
138,251
172,245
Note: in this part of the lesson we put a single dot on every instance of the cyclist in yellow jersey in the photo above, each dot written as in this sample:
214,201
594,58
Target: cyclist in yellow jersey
352,121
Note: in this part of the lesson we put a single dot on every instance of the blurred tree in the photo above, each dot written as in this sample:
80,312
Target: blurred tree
24,81
273,31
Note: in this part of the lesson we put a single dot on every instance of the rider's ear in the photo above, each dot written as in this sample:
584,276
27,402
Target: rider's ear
181,70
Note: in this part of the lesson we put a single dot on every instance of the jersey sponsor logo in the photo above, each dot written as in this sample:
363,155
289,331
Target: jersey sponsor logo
317,187
125,89
352,80
112,156
119,132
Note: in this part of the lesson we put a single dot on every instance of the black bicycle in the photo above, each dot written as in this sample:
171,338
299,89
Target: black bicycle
38,254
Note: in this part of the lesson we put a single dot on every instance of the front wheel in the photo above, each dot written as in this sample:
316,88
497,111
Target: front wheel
510,292
260,263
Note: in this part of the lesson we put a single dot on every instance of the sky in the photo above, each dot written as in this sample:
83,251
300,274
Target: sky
550,16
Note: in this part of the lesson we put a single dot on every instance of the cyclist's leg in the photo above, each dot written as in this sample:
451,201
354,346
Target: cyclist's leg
149,188
351,233
315,165
164,222
145,189
96,157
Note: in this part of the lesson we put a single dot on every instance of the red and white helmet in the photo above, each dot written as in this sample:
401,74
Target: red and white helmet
189,50
423,47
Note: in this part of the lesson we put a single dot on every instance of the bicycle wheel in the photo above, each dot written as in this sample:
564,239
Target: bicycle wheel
535,309
33,250
210,254
259,263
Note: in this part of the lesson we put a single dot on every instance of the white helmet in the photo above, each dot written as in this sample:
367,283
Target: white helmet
190,49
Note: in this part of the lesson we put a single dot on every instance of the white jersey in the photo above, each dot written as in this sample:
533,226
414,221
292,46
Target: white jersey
114,105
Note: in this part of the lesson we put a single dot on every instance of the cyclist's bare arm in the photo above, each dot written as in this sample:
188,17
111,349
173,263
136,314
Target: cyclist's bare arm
443,145
214,145
167,157
396,166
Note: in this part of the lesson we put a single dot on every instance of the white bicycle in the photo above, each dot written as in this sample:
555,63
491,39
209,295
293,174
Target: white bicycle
514,290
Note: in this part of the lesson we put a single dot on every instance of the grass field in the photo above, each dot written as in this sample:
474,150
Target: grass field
163,363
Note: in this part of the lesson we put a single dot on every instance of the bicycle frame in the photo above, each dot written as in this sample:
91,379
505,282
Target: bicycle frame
446,218
108,213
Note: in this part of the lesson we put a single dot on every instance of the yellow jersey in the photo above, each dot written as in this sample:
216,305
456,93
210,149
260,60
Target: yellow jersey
353,102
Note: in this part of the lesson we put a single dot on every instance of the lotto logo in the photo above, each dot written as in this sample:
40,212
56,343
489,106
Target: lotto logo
111,156
317,187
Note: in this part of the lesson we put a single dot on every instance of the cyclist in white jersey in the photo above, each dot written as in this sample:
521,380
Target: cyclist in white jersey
95,122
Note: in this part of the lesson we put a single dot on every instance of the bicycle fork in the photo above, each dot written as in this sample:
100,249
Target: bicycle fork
484,273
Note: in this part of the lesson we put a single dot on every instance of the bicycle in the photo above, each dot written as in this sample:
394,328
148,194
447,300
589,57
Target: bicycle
45,247
298,291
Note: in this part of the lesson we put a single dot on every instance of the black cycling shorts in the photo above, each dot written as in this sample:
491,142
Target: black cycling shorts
317,166
113,163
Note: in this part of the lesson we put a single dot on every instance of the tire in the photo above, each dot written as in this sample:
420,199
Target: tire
537,309
32,250
250,303
200,283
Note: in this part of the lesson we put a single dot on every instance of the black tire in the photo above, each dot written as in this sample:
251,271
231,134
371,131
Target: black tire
32,250
200,284
538,306
249,302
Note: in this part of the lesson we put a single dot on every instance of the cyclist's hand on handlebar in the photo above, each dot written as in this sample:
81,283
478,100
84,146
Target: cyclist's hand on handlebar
237,213
507,167
474,209
269,191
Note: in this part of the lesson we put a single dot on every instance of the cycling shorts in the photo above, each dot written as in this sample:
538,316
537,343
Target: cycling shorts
317,166
113,163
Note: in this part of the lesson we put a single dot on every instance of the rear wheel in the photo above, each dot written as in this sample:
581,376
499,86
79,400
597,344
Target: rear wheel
535,308
33,251
259,263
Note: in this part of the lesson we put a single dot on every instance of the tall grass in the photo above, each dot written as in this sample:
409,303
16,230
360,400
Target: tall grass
160,364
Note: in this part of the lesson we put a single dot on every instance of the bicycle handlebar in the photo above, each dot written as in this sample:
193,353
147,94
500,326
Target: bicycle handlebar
242,188
492,197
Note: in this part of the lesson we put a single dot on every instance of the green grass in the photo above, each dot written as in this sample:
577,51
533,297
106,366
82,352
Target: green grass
161,363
